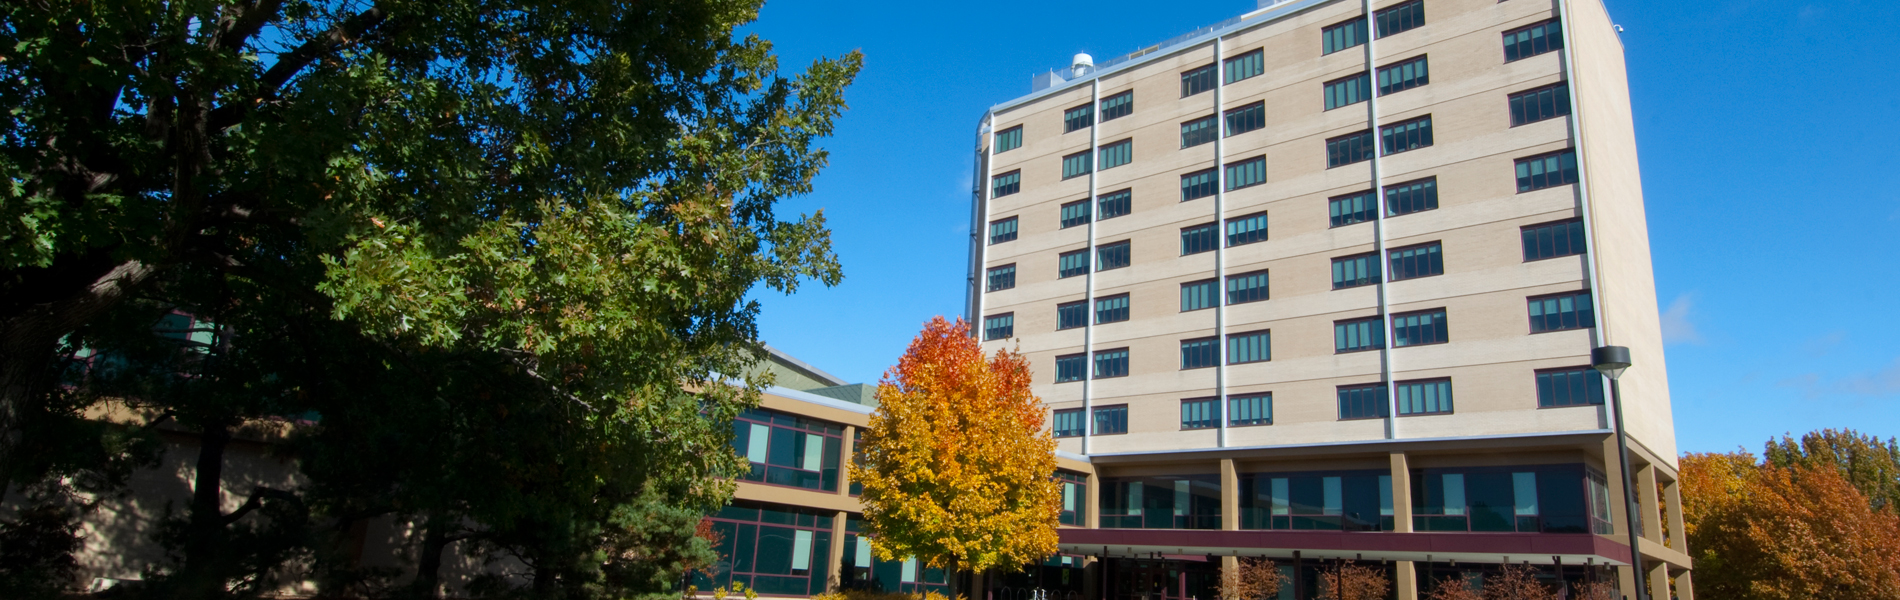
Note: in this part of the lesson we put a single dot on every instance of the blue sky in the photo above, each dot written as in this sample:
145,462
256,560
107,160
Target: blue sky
1769,134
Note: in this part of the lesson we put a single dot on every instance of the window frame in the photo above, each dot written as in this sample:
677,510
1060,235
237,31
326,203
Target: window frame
1427,188
1417,130
1014,185
1015,230
1377,333
1259,66
1519,106
1441,325
1081,308
1586,307
1204,131
1065,272
1547,37
1574,171
1212,408
1346,91
1017,139
1401,18
1355,28
1123,149
1384,409
1370,208
1095,362
1232,338
1373,275
1121,311
1078,358
1394,274
1257,164
1593,385
1078,164
1253,422
1123,199
1207,348
1077,118
1248,236
1447,402
990,327
1212,184
1351,149
1191,80
1396,85
1573,235
1266,287
1068,221
1112,110
1254,115
993,273
1096,414
1055,417
1213,294
1105,251
1206,236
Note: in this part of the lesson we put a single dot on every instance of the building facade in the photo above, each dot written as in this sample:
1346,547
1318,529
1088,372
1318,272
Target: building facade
1321,282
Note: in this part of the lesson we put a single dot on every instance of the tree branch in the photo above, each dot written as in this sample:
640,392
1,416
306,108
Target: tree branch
249,20
256,501
342,35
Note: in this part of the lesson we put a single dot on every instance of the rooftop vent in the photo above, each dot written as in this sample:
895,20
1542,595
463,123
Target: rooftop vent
1082,64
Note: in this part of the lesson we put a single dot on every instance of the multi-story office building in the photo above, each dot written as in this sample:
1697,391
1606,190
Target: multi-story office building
1322,282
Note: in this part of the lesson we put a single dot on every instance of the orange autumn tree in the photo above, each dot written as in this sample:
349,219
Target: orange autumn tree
957,467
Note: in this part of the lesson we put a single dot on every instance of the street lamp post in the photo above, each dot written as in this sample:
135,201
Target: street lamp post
1611,361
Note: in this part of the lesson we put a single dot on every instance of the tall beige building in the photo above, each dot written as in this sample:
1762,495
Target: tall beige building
1322,281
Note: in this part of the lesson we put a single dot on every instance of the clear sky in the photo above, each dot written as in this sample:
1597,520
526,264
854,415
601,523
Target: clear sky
1769,134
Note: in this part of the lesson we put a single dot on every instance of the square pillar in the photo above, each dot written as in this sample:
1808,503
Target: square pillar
836,577
1646,491
1678,530
1659,581
1092,517
1406,581
1685,586
1626,579
844,472
1229,496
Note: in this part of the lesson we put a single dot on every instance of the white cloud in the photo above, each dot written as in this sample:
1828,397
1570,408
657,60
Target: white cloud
1879,383
1676,327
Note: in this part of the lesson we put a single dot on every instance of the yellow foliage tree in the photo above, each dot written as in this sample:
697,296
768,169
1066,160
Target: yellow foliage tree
958,469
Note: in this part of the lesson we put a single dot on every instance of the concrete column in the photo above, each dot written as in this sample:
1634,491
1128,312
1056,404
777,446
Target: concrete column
1229,496
1646,498
1659,581
1685,587
844,471
1407,579
1678,531
1619,520
1093,517
836,577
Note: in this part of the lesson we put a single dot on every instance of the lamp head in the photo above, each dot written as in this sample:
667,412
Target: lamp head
1611,360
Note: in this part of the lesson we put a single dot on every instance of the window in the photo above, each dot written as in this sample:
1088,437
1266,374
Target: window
1003,230
1115,204
1199,413
1006,184
1362,401
1250,409
1525,498
1009,139
1410,135
999,327
1197,295
1250,347
1166,502
1411,196
1110,420
1359,500
1403,76
1002,278
1246,118
1071,315
1547,102
1546,171
1198,239
1412,262
1245,66
1551,240
789,450
1200,354
1419,328
1073,263
1075,213
1569,310
1425,397
1113,309
1197,81
1078,118
1197,132
1576,386
1111,363
1067,423
1348,149
1355,271
1246,230
1070,368
1118,106
1075,493
1247,173
1351,208
1247,287
1401,18
1075,165
1198,185
1531,41
1342,36
1346,91
1358,334
1112,256
792,546
1118,154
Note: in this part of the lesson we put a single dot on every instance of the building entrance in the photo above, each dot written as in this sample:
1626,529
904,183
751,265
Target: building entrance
1155,579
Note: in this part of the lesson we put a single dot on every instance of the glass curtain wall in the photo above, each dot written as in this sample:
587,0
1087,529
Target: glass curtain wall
789,450
1161,502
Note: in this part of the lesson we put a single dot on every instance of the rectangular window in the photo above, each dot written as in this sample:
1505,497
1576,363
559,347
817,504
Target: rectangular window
1067,423
1342,36
1076,165
1401,18
789,450
1110,420
1115,204
1526,42
1362,402
1112,256
1196,81
1071,368
1351,208
1197,132
1079,117
1006,184
1546,171
1412,196
1113,309
1245,66
1075,493
1111,363
1002,278
1003,230
1540,104
1197,295
1348,149
1569,310
1403,76
1198,185
1199,413
1246,118
1250,409
1071,315
1551,240
1419,328
1118,154
1198,239
1577,386
1246,173
1075,213
1250,347
1358,334
1412,262
1355,271
1425,397
999,327
1247,287
1201,353
1073,264
1009,139
1410,135
1246,230
1118,106
1346,91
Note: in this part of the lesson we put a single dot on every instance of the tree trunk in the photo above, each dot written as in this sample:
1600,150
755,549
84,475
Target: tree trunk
951,580
428,583
201,575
